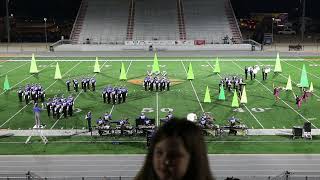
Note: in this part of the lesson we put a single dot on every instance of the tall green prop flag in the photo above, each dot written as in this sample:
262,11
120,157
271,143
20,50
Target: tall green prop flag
304,78
217,66
57,74
190,72
235,102
155,66
96,66
244,96
6,85
221,94
33,66
123,75
289,85
207,98
277,67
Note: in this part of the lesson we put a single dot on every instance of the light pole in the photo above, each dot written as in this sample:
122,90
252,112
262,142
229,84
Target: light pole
45,31
272,29
7,21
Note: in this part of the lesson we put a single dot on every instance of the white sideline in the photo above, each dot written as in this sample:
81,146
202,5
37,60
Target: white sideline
282,100
243,104
194,90
164,60
301,69
14,69
81,132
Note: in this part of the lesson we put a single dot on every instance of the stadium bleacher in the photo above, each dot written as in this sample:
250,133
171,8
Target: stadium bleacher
107,22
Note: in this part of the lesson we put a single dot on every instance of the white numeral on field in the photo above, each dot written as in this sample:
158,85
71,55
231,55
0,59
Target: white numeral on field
77,110
149,110
159,65
257,110
238,110
166,109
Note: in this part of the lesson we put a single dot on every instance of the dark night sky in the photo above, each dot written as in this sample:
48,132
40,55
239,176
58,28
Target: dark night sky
60,9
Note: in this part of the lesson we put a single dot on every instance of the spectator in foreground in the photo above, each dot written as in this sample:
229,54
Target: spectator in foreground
177,152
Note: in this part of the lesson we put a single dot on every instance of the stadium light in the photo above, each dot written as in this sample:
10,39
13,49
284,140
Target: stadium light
45,31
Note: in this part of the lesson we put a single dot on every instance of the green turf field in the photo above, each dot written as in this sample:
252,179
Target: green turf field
261,111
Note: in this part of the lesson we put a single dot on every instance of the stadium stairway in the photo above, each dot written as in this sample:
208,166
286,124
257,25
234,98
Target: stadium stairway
77,26
236,33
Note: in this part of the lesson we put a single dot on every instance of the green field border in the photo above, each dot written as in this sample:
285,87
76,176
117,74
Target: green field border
137,145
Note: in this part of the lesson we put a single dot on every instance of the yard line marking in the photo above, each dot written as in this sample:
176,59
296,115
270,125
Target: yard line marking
14,69
112,109
28,139
157,100
243,104
126,73
77,96
281,99
291,80
25,79
30,101
301,69
194,90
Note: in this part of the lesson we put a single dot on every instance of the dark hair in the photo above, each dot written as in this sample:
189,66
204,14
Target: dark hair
193,141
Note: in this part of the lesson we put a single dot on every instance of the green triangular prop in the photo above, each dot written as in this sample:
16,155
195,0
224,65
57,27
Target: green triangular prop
207,96
123,75
57,74
221,94
6,85
155,66
311,87
217,66
304,78
235,102
277,67
289,85
190,73
96,66
33,66
244,96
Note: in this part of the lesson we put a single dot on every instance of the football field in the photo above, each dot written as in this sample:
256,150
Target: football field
185,96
